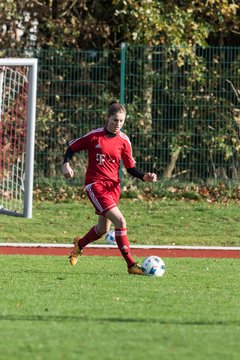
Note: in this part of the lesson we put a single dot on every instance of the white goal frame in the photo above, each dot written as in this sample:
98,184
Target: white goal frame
30,133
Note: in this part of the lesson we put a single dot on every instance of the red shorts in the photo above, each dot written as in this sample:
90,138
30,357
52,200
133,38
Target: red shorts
103,195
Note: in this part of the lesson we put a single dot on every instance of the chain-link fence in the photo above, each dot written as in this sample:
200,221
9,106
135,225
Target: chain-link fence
73,91
184,111
183,108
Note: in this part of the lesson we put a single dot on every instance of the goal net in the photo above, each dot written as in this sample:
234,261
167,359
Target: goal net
18,79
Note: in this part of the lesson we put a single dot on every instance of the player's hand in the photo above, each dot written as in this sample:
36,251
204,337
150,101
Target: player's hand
67,171
150,177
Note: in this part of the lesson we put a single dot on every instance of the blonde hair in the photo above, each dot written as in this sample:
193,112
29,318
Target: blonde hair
115,107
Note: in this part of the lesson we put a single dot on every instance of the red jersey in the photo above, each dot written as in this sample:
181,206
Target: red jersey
104,154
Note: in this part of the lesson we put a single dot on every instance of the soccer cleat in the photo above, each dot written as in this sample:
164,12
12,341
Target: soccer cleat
135,269
77,251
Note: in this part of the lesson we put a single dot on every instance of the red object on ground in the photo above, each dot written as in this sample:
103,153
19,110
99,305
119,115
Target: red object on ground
171,252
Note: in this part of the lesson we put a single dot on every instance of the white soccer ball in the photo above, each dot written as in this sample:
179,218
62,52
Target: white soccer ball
110,237
153,266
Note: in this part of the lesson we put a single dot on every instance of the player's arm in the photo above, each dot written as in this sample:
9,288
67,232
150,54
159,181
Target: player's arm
67,170
129,164
74,146
148,177
135,173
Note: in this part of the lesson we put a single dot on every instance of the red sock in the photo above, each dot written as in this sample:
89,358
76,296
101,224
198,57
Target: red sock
124,245
91,236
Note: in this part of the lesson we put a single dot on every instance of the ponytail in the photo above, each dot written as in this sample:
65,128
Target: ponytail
115,107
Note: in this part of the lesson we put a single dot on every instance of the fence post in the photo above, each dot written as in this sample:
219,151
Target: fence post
122,88
122,73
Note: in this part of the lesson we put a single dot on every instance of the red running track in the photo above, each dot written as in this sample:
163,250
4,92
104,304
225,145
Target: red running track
164,251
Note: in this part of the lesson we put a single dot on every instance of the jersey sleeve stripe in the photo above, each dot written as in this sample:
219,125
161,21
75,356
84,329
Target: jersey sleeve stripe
90,133
125,137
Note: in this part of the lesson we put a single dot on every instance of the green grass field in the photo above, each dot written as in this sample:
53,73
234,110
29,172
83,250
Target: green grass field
164,222
97,311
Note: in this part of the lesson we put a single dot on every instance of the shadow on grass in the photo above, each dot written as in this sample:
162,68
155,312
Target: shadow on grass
49,318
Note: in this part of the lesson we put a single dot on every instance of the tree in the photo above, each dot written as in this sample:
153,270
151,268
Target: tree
83,24
178,28
169,33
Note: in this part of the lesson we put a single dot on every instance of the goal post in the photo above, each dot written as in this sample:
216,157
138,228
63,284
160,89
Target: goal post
18,92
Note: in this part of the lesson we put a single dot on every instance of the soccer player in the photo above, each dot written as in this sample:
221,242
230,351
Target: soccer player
106,146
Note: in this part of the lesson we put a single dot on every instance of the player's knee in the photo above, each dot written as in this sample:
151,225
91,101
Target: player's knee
117,218
102,230
120,223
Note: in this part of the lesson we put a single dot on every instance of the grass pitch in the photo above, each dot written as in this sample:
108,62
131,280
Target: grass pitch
95,310
157,222
50,311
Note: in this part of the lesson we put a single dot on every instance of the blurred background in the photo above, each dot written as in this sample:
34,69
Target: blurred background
174,64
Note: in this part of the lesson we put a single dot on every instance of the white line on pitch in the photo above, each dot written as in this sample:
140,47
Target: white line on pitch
172,247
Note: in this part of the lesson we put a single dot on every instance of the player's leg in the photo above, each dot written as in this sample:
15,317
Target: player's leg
105,197
103,224
95,233
119,222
